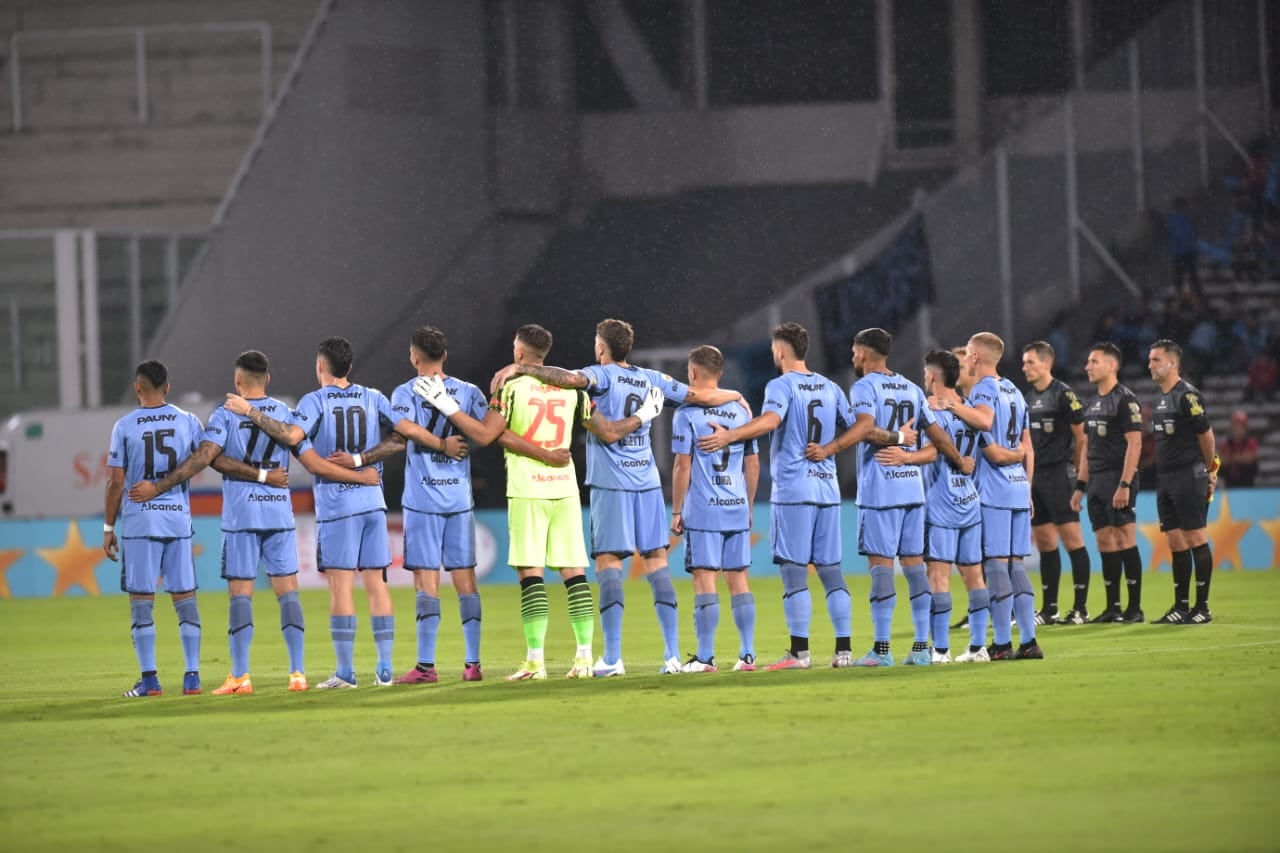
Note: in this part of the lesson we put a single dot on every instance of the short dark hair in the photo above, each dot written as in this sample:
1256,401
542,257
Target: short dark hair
878,339
708,358
794,335
618,336
154,372
1043,349
337,354
430,341
535,338
253,362
1170,347
947,362
1108,348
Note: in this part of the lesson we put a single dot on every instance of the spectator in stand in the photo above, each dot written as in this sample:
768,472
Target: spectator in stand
1060,339
1237,249
1239,453
1251,336
1183,246
1135,333
1202,344
1264,373
1180,314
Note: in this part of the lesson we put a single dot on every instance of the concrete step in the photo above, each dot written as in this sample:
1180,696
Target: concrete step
140,187
289,19
178,215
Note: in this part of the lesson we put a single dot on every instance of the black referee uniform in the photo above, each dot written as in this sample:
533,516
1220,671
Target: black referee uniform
1052,413
1182,493
1107,420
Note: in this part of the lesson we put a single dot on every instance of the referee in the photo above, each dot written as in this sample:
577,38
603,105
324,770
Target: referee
1113,442
1057,436
1188,469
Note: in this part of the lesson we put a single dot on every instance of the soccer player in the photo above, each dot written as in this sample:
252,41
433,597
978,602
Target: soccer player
1057,435
439,521
628,512
1005,469
711,500
351,520
543,506
804,509
155,537
890,499
953,520
1188,467
1113,443
257,516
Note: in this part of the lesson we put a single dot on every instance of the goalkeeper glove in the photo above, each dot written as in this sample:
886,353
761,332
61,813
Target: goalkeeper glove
431,389
651,407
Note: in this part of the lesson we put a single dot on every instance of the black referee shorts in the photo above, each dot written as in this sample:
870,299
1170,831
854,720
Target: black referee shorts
1102,488
1051,496
1182,498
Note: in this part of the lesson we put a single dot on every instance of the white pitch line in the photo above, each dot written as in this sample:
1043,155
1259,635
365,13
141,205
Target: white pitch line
1149,651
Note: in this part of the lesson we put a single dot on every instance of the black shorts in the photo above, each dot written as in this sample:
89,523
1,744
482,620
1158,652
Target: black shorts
1182,498
1102,488
1051,496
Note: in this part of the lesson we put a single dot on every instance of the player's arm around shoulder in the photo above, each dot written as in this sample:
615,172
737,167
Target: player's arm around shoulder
289,434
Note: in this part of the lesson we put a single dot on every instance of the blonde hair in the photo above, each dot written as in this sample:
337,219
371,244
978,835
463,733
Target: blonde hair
990,347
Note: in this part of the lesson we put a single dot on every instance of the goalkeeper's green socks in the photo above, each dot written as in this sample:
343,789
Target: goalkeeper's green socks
533,613
582,612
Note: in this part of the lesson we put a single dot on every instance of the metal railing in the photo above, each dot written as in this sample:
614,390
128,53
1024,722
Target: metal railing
139,36
1017,235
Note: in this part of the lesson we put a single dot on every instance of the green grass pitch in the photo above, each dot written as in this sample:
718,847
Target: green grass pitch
1126,738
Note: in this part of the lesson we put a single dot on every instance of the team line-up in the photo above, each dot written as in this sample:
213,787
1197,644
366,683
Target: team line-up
965,472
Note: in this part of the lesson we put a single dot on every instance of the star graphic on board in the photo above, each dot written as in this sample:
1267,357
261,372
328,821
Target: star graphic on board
7,559
74,562
1272,529
1160,551
1225,534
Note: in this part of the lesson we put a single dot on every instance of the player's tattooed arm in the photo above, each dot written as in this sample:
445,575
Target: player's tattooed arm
554,375
287,434
145,490
508,440
711,397
611,431
234,469
942,441
392,444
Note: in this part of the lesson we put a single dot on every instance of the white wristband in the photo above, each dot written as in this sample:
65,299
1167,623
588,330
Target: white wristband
262,475
358,460
902,439
108,528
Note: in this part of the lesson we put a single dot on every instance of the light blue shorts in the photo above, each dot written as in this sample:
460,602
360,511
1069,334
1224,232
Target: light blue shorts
623,523
355,542
1005,533
143,562
805,533
959,545
439,541
712,549
893,532
241,551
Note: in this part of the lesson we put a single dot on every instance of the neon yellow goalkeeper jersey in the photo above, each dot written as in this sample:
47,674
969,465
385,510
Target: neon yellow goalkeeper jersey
544,415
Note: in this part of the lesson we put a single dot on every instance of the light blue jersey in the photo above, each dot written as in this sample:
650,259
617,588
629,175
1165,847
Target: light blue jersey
717,497
252,506
618,390
432,481
892,400
348,419
951,497
1002,486
148,443
813,409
